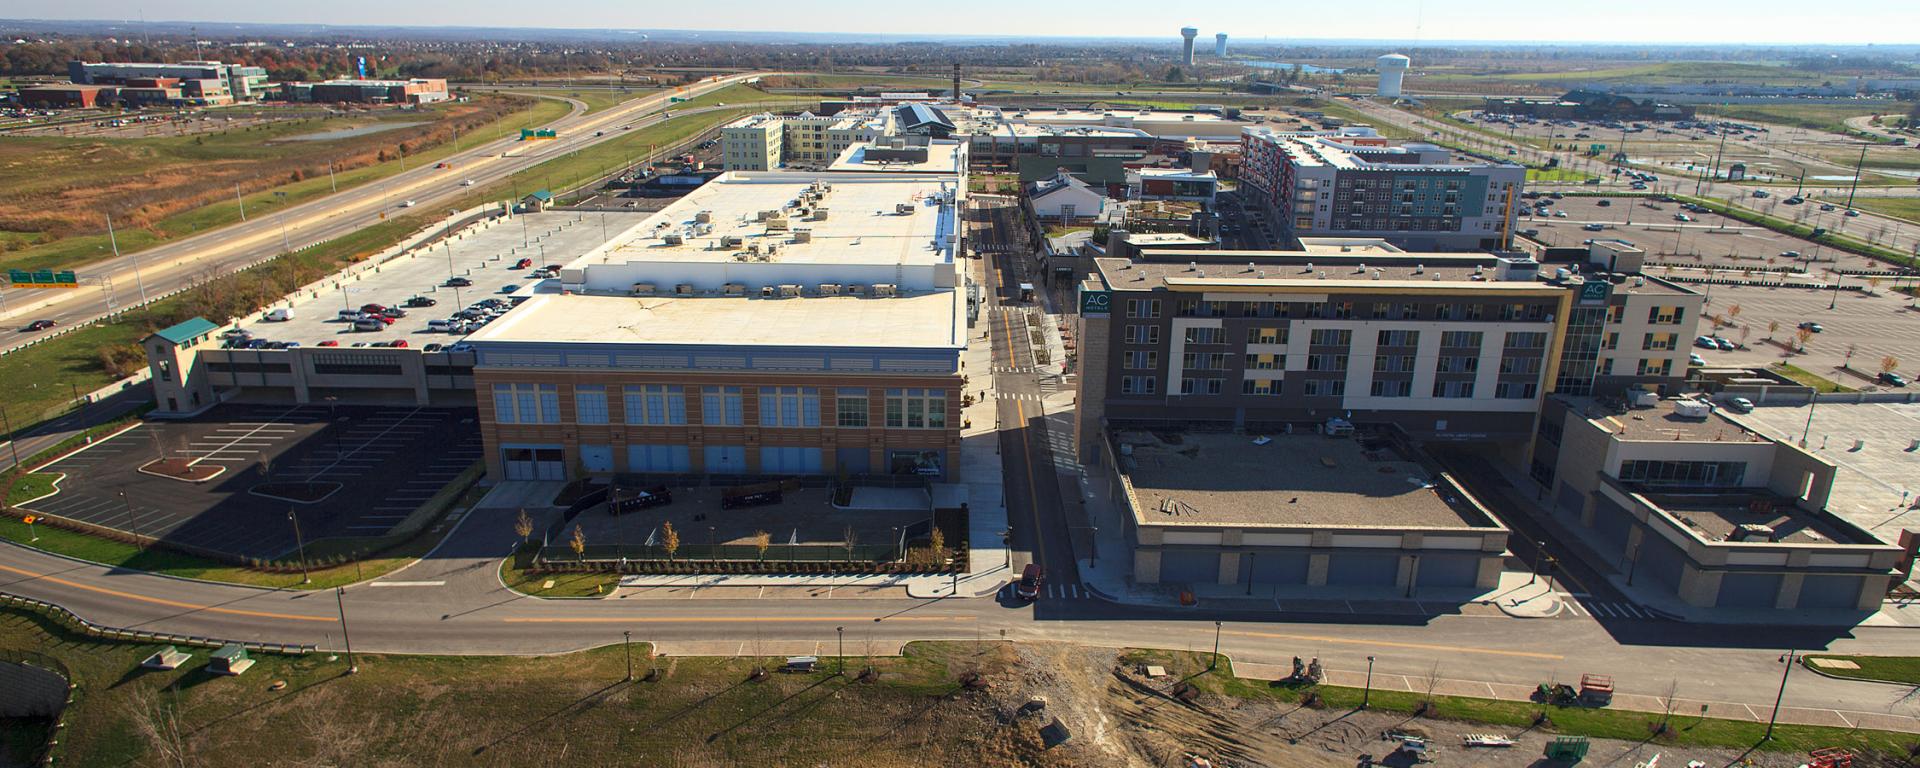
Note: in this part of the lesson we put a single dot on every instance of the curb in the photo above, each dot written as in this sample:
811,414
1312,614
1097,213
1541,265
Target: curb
1805,664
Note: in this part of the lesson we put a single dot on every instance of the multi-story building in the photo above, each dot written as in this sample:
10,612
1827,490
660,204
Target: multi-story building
752,143
242,83
417,90
1356,184
1696,511
767,323
814,141
1439,346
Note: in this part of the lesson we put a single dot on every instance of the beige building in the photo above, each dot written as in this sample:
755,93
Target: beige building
752,143
767,141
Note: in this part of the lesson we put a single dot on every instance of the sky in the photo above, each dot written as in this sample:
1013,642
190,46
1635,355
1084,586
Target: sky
1623,21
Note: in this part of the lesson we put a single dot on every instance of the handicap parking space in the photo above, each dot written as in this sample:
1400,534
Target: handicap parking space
380,464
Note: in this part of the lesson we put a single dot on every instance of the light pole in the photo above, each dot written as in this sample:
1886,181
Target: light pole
1214,662
15,445
306,576
627,646
1837,276
131,528
1367,695
842,632
1786,668
340,599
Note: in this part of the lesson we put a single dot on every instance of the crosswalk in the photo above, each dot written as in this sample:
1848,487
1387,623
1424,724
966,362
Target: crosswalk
1031,397
1015,369
1580,605
1055,592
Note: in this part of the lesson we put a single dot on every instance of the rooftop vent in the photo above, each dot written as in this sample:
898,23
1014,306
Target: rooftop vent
642,289
683,289
885,289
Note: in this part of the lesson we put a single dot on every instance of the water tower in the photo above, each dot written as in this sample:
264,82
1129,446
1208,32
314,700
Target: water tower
1186,49
1220,45
1392,67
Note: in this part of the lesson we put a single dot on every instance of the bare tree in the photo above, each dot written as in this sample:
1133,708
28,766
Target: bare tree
1802,336
1848,362
1889,364
1773,327
1733,312
938,544
1430,681
159,725
523,525
1669,700
847,537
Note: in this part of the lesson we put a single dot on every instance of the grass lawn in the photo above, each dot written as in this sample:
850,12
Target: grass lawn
1901,207
513,571
596,98
1558,174
573,709
1820,117
1055,230
1809,378
1688,730
31,485
175,156
1895,669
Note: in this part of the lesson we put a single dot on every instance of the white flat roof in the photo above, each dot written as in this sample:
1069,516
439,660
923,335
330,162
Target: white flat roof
862,224
925,320
942,157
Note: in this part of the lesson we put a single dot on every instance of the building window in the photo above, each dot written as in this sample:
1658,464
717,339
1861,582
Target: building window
526,403
789,407
720,406
1142,334
1453,389
1526,339
1400,388
1457,364
1380,309
1606,367
1143,360
1326,387
1657,341
1205,336
1393,364
1443,311
1515,390
590,404
1262,362
1331,337
1143,307
1267,335
655,404
1139,385
1260,387
916,409
1399,339
1665,315
1613,340
1521,365
1468,339
1343,310
1655,367
850,407
1473,311
1326,362
1699,474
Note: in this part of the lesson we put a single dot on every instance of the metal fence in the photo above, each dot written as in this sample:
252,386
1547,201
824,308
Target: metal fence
600,554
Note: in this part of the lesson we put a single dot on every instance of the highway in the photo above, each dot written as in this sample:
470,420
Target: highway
117,284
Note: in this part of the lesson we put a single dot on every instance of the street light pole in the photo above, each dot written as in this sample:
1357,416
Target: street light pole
14,443
306,576
1215,661
1786,669
131,528
1367,695
627,646
842,632
340,599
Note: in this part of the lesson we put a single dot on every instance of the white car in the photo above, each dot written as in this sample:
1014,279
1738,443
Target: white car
406,204
467,183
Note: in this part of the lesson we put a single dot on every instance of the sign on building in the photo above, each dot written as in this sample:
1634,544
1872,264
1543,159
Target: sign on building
1096,303
1595,292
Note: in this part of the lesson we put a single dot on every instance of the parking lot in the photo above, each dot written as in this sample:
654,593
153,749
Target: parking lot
484,256
379,464
1878,483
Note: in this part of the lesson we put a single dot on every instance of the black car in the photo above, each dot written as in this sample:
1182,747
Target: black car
421,301
1892,379
458,282
37,325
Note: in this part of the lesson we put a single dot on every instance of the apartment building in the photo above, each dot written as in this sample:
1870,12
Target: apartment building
1356,184
767,323
767,141
752,143
1626,331
238,82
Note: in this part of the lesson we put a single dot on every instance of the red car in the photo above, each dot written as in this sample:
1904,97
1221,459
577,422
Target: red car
373,309
398,343
328,343
1030,582
523,264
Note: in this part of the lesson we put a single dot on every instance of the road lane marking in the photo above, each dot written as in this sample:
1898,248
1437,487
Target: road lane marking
1395,644
163,601
407,584
722,619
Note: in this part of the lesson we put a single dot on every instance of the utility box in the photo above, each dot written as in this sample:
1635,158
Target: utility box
1567,749
231,659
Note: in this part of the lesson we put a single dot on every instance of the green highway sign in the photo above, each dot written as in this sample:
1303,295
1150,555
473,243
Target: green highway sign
42,278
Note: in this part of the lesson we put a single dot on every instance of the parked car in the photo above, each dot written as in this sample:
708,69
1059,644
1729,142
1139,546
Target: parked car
1705,342
1852,212
393,312
1559,214
1725,345
1740,405
420,301
523,264
1605,203
37,325
1681,217
458,282
432,348
373,309
278,315
509,287
1812,326
1892,379
1696,359
351,315
369,324
402,343
1826,206
1031,580
328,343
1593,226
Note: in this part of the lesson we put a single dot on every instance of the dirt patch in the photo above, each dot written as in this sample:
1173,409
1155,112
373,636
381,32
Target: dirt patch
182,469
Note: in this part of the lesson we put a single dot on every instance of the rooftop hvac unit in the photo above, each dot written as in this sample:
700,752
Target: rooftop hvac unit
672,238
903,209
642,289
731,241
743,256
1691,409
683,289
858,289
766,292
1752,532
767,214
829,289
734,289
777,224
1646,399
803,235
789,289
819,214
704,217
754,249
763,257
885,289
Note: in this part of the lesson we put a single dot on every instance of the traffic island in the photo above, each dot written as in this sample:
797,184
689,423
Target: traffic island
184,470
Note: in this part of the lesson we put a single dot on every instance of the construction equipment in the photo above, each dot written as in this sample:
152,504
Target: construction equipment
1596,690
1830,757
1557,694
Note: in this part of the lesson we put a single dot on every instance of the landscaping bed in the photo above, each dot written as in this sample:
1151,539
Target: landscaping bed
182,469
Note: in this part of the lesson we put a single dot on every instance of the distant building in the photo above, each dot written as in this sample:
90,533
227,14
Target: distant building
66,96
242,83
418,90
1393,69
1065,198
1589,105
1357,184
1171,184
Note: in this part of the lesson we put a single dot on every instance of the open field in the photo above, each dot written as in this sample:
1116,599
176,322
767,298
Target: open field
1814,115
165,188
1902,207
596,98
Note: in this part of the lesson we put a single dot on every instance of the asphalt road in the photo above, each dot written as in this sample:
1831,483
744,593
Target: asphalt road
176,264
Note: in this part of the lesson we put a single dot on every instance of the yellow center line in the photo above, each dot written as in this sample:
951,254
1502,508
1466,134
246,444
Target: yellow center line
164,601
1393,644
1033,492
720,619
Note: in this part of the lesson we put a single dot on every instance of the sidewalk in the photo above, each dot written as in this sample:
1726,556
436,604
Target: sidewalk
1108,574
